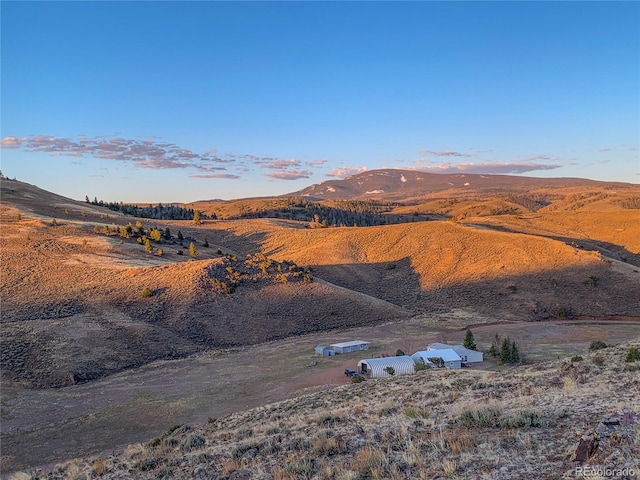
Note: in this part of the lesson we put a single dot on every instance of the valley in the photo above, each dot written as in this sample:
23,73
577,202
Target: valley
106,343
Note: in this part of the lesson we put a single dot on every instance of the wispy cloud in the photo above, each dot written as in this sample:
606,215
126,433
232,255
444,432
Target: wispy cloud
229,176
343,172
289,174
486,167
316,163
159,155
444,153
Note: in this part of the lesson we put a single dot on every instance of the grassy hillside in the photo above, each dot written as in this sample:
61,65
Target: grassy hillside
524,422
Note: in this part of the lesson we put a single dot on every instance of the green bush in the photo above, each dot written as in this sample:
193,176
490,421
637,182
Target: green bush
577,358
357,379
597,345
633,355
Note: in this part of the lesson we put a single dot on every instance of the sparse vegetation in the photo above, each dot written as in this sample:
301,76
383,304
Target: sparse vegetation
193,252
147,292
597,345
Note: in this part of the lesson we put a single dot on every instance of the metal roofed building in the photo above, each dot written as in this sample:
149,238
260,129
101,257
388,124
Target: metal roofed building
386,366
448,355
323,351
467,355
352,346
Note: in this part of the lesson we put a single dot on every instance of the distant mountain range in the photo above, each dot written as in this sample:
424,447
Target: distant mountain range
394,184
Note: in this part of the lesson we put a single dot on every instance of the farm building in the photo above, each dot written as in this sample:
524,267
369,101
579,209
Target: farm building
322,351
352,346
448,355
467,356
386,366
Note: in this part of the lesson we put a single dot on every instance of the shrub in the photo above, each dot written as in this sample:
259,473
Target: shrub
592,280
400,353
357,379
564,312
146,292
492,417
191,442
633,355
180,252
577,358
597,345
598,360
413,412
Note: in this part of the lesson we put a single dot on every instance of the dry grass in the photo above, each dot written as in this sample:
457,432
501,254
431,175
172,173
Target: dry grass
333,434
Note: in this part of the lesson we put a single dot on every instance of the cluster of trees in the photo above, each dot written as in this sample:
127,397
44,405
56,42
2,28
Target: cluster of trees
505,350
159,212
360,213
146,236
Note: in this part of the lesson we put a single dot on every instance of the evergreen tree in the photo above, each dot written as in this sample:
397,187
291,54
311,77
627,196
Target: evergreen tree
505,351
515,354
469,341
180,237
206,243
192,250
196,218
147,245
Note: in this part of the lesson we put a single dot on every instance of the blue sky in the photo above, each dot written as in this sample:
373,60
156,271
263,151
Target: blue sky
164,101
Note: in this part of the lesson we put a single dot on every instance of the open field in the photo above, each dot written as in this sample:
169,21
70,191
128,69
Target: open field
44,426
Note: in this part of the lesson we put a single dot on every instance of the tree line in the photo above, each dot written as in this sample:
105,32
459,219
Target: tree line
158,212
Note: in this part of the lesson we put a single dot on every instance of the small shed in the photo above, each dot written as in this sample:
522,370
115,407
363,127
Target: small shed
322,351
352,346
386,366
467,355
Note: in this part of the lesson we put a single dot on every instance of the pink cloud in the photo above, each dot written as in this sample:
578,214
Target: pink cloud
343,172
12,142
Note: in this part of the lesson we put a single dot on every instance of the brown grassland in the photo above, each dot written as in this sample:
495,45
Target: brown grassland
106,344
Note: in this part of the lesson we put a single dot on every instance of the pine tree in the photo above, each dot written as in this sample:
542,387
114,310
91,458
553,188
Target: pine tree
206,243
196,218
469,341
515,354
505,351
147,245
192,250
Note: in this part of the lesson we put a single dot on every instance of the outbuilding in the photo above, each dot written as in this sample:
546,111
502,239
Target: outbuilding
386,366
465,354
352,346
322,351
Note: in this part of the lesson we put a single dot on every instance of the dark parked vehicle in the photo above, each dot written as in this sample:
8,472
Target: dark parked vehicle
350,373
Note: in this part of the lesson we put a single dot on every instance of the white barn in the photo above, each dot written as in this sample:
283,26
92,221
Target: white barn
381,367
448,355
466,355
352,346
